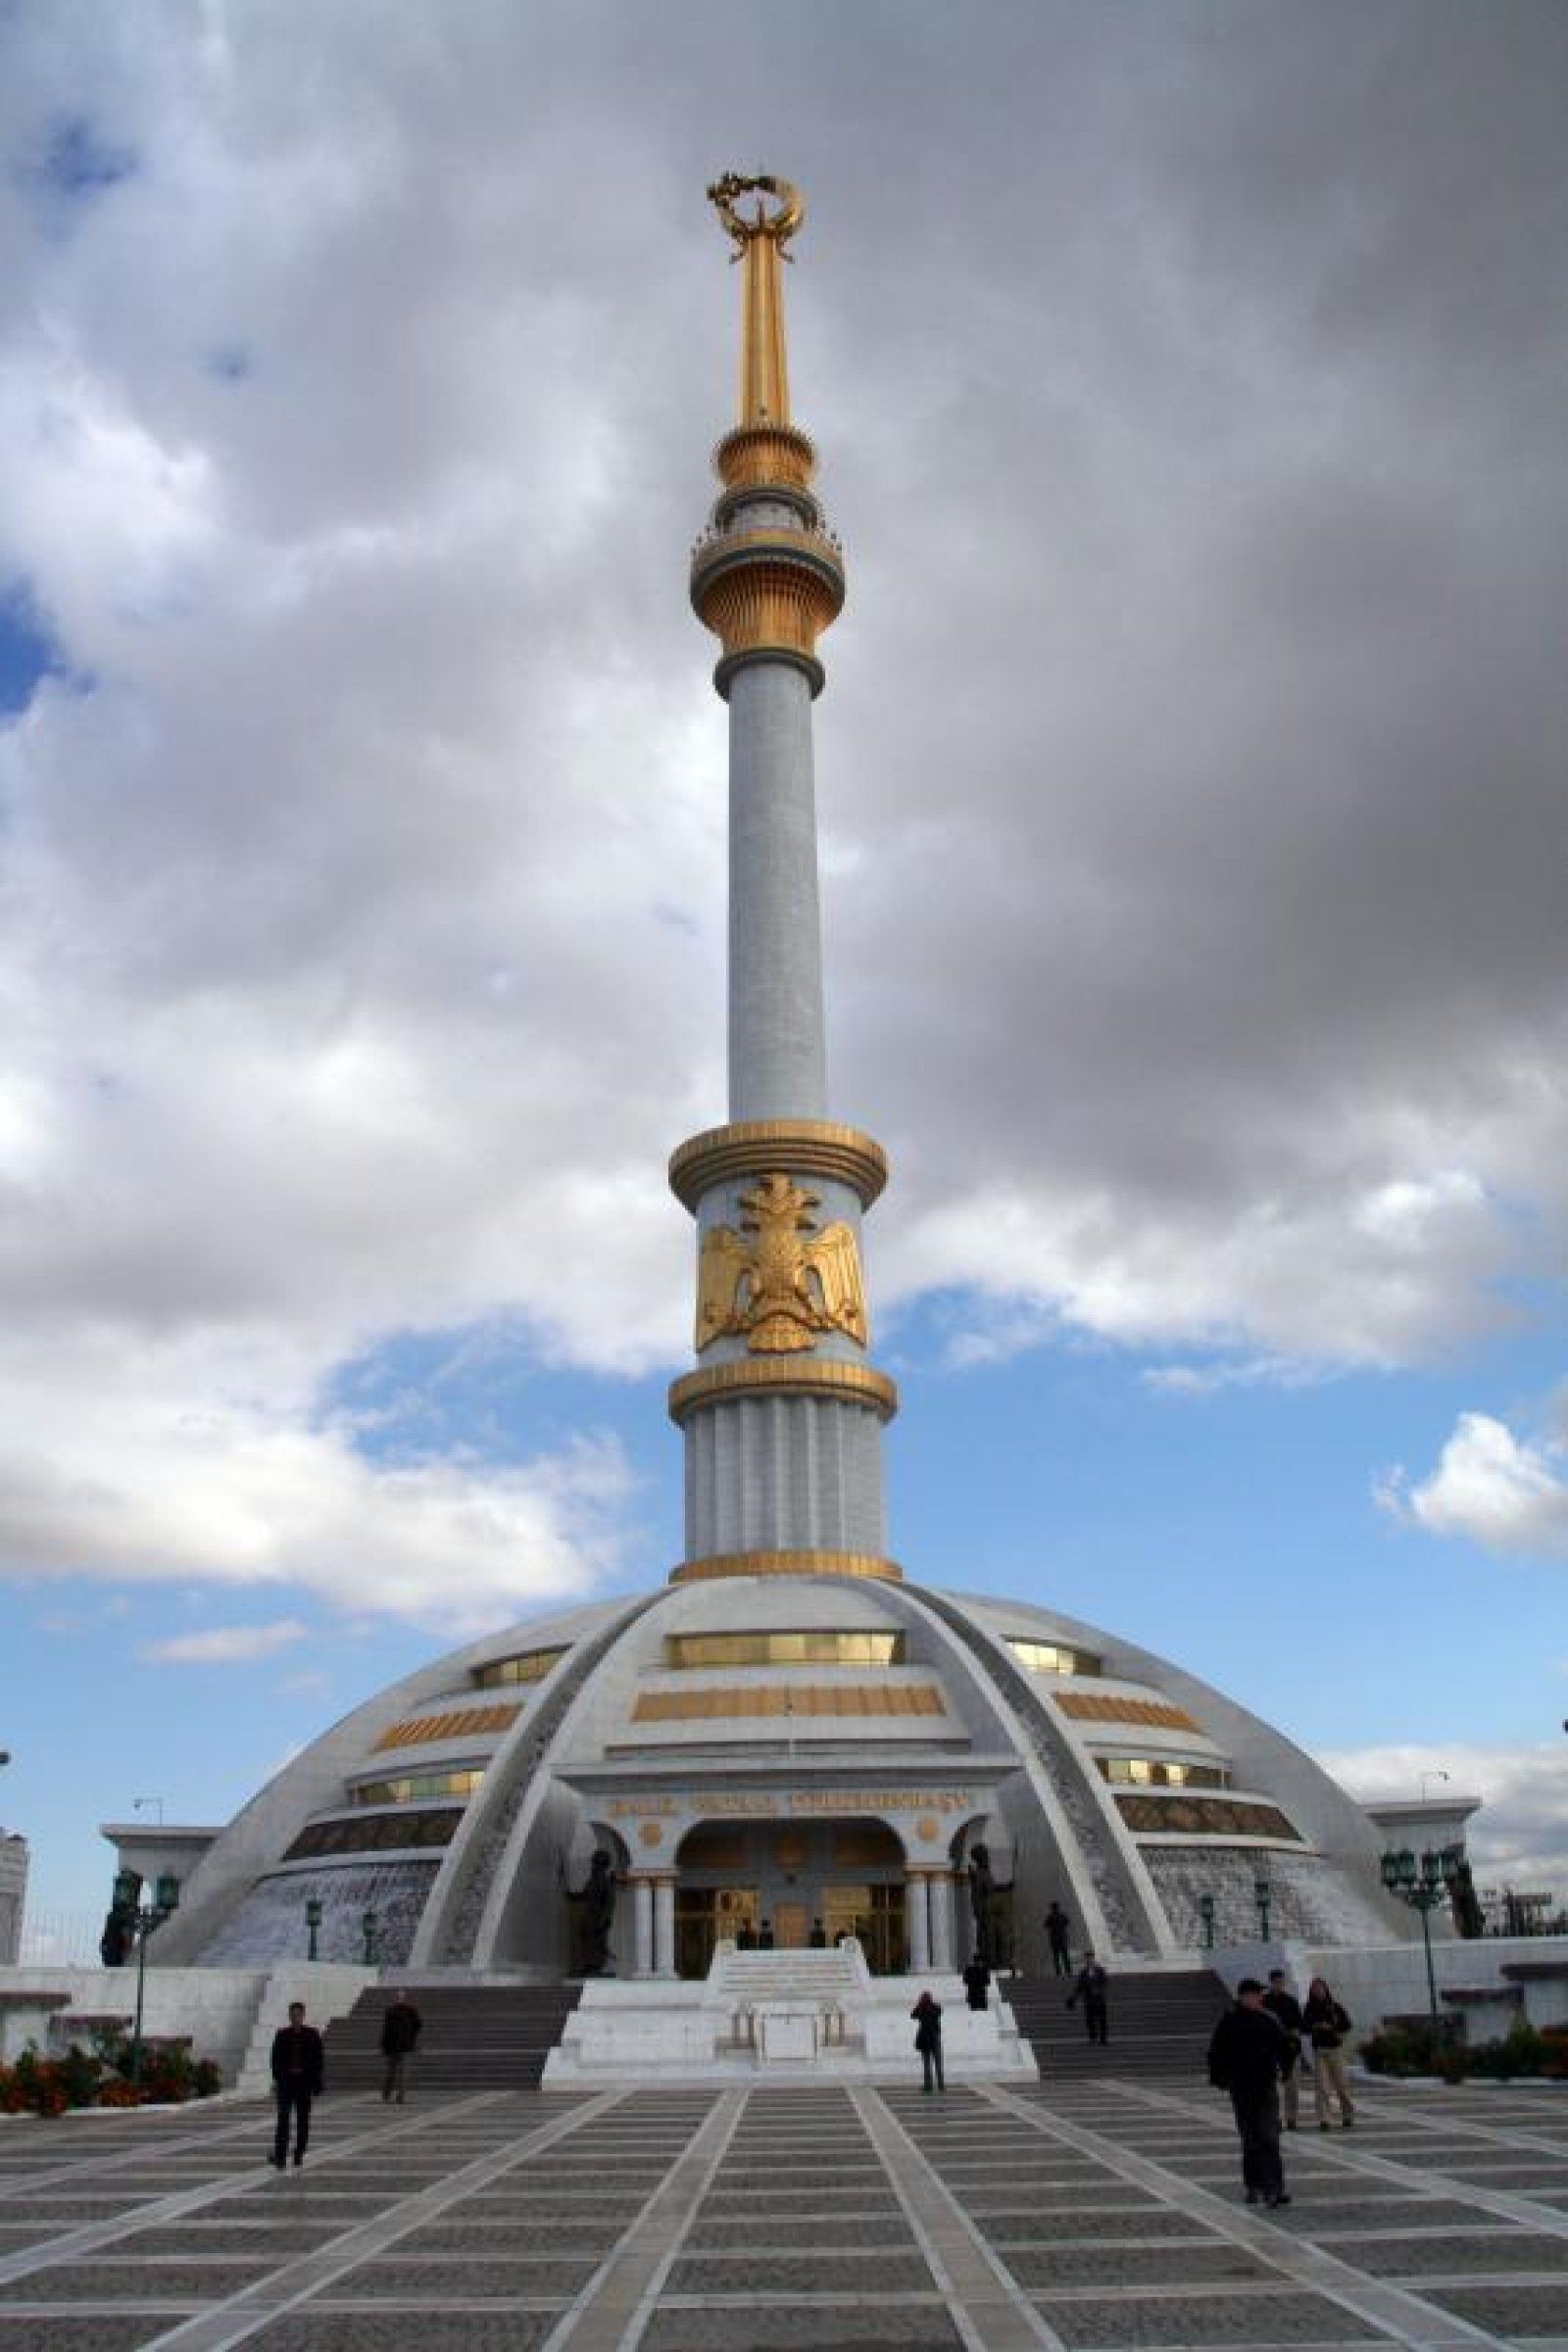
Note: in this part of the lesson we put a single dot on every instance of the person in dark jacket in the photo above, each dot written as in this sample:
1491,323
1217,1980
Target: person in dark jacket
1059,1929
297,2080
927,2016
1091,1986
401,2028
977,1982
1286,2011
1246,2057
1326,2025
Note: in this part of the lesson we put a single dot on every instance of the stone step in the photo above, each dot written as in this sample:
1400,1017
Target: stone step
475,2036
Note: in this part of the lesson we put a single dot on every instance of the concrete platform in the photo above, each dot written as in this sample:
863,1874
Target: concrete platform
1103,2216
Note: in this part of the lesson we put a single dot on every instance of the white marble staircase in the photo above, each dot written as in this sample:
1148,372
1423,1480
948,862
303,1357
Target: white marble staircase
790,2016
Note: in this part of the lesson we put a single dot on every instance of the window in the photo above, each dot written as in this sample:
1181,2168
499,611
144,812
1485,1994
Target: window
1154,1772
415,1788
529,1666
824,1648
1053,1657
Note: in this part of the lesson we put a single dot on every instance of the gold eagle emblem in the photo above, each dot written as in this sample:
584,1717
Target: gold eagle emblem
780,1282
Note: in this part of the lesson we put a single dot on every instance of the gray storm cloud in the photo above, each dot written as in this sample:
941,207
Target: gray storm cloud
1189,387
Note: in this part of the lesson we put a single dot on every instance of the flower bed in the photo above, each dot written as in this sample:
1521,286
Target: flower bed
100,2076
1414,2047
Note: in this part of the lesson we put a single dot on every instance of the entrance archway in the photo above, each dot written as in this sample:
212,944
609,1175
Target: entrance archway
787,1886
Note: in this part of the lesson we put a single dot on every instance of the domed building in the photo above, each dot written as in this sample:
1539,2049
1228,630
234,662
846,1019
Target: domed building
788,1743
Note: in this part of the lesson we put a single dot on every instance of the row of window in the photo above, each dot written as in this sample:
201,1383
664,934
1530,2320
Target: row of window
823,1648
529,1666
1054,1657
1150,1772
415,1788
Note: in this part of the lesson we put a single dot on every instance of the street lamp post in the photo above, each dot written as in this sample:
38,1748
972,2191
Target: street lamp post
1205,1912
1263,1897
143,1919
313,1924
1423,1886
368,1927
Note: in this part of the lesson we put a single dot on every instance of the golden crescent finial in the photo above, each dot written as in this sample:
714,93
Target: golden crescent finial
779,226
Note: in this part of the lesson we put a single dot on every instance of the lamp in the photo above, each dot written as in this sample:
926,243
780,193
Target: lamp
142,1918
1263,1897
1205,1912
368,1927
1423,1886
313,1923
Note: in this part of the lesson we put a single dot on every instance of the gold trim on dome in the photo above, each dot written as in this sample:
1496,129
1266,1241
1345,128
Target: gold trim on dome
804,1146
718,1383
787,1563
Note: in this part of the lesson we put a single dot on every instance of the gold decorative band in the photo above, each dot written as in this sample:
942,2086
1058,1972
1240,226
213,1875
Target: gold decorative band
768,589
855,1384
803,1147
787,1563
759,457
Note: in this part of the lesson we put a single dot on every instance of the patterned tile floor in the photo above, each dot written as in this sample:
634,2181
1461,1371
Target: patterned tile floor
1100,2216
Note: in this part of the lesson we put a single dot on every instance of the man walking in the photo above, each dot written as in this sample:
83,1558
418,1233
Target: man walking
1091,1986
297,2060
1058,1927
400,2026
1245,2057
1286,2011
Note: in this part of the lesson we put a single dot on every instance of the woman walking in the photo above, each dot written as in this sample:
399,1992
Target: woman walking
1326,2025
927,2016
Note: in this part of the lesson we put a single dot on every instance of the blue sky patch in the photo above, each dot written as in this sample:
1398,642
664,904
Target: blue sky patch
28,652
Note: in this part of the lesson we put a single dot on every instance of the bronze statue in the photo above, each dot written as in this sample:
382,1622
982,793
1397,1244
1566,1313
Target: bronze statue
982,1903
115,1943
599,1897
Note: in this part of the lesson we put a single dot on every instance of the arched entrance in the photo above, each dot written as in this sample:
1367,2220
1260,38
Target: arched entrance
788,1884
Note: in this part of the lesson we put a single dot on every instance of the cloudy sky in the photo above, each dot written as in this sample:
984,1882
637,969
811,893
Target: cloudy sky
1190,386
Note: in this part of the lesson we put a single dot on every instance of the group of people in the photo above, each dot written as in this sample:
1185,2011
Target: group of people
1258,2053
299,2071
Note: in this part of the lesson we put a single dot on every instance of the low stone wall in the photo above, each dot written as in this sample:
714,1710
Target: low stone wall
213,2007
1377,1982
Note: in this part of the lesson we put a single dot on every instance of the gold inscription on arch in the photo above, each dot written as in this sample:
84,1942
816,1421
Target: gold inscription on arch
767,1804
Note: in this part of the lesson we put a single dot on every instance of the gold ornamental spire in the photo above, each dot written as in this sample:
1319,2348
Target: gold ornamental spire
759,243
767,576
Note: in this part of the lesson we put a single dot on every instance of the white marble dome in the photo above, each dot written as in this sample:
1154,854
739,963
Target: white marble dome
789,1755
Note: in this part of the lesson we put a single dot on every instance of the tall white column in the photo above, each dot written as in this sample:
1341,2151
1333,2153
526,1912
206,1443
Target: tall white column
663,1927
642,1894
777,1059
918,1922
941,1959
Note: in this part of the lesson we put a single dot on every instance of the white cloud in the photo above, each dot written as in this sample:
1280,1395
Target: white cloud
225,1644
1520,1836
1490,1488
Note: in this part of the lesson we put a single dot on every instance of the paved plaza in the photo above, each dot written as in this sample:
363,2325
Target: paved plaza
1100,2215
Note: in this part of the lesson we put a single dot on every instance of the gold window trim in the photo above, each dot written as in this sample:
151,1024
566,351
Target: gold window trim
788,1701
1088,1706
460,1723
